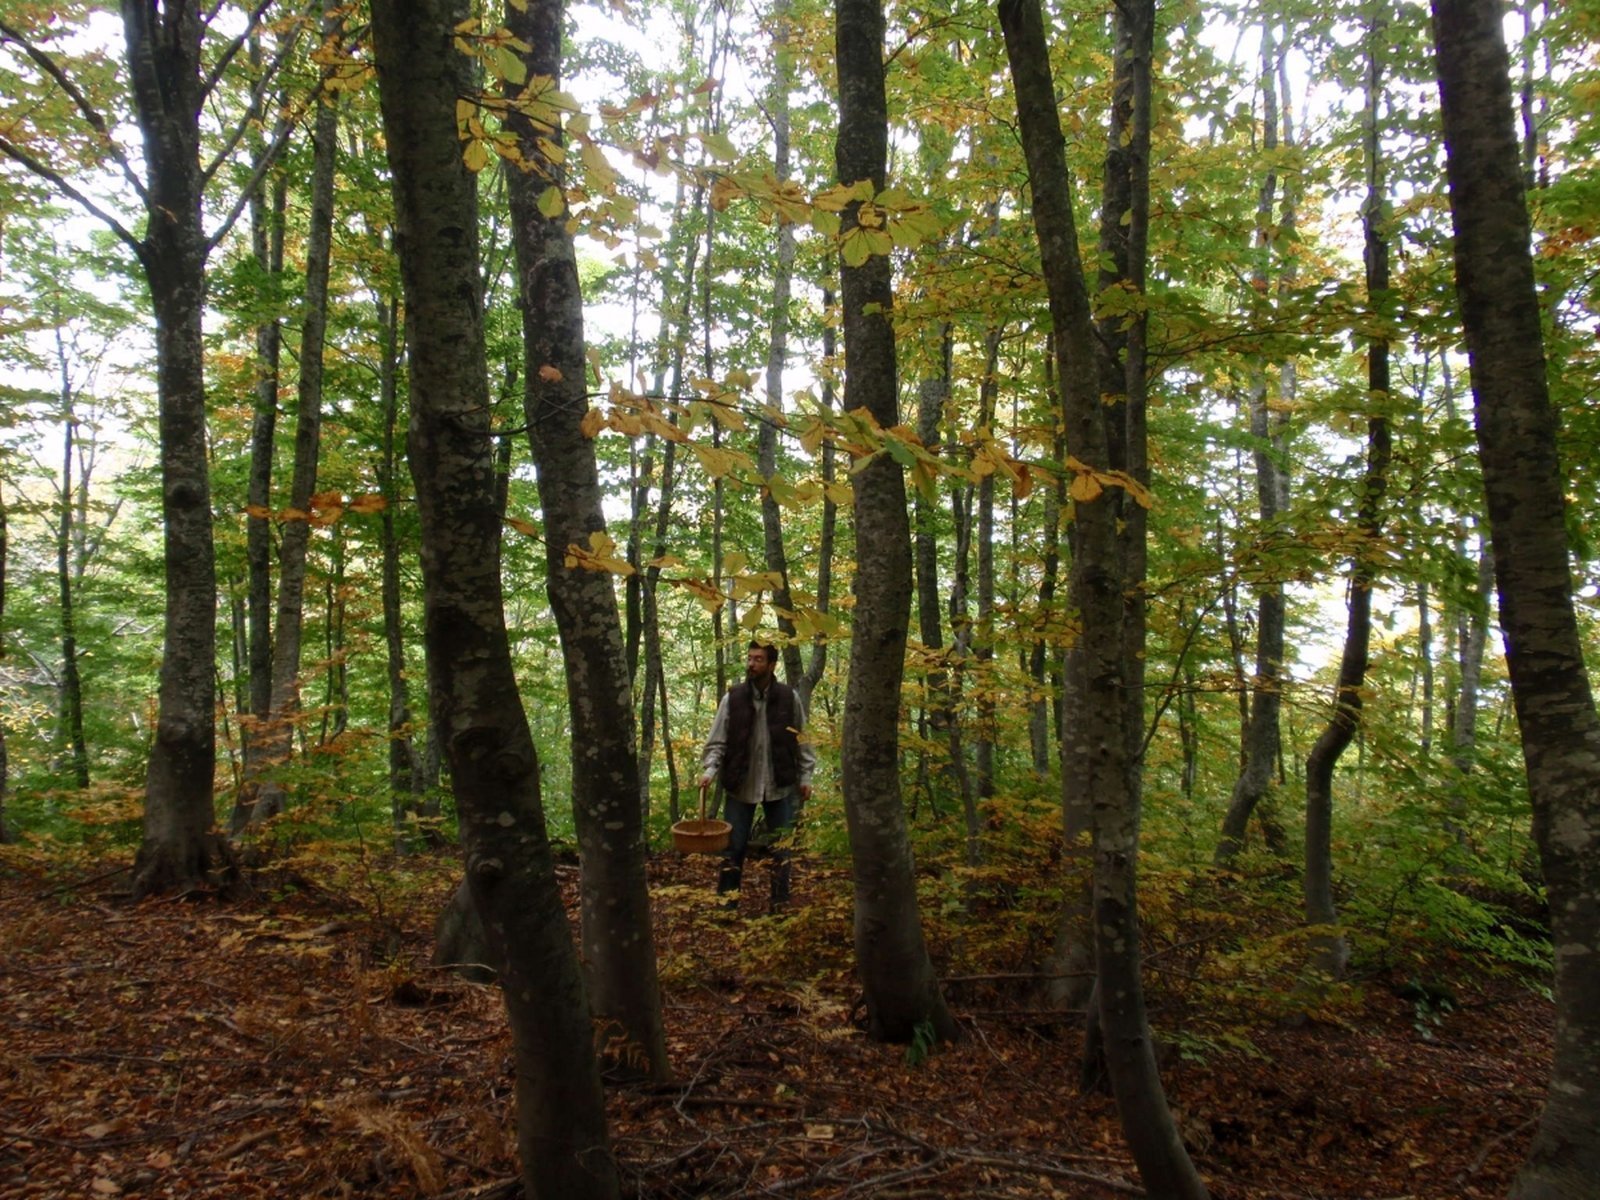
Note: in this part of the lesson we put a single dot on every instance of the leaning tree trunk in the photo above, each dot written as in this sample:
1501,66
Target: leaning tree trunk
263,795
561,1121
178,845
902,993
1097,594
1523,481
1330,953
618,945
1121,367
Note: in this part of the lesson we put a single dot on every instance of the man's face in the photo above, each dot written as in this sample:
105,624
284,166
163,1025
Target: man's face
756,667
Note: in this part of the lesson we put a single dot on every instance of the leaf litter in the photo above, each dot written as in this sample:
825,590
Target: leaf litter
297,1044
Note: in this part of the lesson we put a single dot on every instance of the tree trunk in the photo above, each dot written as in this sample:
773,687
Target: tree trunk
830,515
902,993
778,347
1472,643
178,845
1097,594
654,673
267,237
5,546
1262,731
407,788
71,712
1042,664
1523,480
933,392
618,945
1329,951
561,1122
273,745
336,704
981,636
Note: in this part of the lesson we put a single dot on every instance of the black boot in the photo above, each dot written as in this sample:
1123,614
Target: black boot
780,884
728,880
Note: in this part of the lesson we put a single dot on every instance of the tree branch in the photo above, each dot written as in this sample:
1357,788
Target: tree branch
279,138
237,135
233,48
86,110
17,154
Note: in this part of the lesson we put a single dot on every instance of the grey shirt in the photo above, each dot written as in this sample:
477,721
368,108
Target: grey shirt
758,784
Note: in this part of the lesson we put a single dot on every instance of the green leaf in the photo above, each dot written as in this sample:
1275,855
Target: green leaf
510,67
719,146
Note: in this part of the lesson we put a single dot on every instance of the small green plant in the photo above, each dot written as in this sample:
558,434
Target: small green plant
923,1040
1430,1005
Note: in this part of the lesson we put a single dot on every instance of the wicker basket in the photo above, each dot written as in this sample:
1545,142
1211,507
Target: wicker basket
703,836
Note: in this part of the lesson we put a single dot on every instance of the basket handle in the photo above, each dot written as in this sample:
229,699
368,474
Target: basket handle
704,788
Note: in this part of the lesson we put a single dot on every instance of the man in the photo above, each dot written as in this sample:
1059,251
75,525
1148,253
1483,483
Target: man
756,752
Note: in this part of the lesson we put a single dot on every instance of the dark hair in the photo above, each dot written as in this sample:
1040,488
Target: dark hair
766,648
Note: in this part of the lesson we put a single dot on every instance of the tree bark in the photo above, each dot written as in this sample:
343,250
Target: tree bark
163,47
1329,951
5,547
1262,730
266,238
561,1123
830,517
777,559
618,945
1097,594
902,993
409,803
1523,481
263,795
71,714
980,637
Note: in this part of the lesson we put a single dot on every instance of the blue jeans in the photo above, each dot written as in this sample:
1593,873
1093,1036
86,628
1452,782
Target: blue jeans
780,814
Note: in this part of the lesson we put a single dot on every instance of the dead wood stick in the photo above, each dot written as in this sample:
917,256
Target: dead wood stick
1034,1167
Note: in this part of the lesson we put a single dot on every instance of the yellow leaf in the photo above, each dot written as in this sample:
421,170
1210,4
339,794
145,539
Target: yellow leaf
719,146
476,156
600,174
511,68
524,527
1084,488
550,374
854,248
552,203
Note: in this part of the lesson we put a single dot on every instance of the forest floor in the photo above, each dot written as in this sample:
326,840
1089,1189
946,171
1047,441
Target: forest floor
297,1044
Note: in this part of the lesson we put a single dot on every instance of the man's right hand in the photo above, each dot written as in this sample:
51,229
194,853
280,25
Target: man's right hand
708,779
